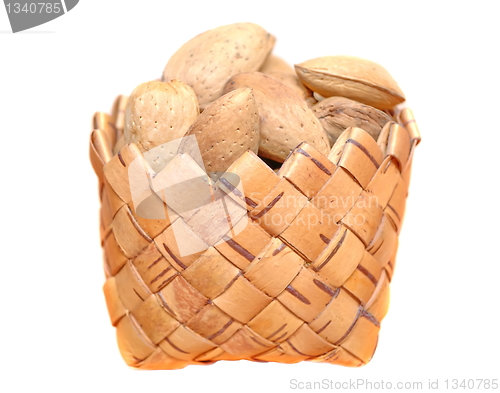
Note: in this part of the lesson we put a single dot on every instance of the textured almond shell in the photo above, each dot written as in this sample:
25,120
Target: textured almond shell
285,118
226,129
352,77
339,113
158,112
208,60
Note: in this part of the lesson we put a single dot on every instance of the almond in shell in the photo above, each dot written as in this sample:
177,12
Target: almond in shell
276,67
338,113
159,112
352,77
226,129
285,118
208,60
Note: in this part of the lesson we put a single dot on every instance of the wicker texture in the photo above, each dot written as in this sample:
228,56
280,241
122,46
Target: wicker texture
280,290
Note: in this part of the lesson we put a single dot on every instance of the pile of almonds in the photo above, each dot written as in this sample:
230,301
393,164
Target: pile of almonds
226,87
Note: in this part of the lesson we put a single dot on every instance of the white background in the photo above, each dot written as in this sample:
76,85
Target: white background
443,321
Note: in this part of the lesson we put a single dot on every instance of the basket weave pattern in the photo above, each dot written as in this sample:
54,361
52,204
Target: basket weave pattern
280,290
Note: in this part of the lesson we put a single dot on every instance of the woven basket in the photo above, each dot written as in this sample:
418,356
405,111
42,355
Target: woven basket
279,290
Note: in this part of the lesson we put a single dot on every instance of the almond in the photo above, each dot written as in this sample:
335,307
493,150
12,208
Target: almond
226,129
278,68
276,65
352,77
338,113
159,112
285,118
208,60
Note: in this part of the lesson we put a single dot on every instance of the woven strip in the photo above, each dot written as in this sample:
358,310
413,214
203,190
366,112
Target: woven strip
313,286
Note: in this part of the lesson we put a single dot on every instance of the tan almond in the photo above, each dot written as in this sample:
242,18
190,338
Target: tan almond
208,60
338,113
285,118
275,64
278,68
226,129
159,112
352,77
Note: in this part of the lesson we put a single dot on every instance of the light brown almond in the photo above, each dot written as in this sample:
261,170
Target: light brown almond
278,68
352,77
226,129
275,64
338,113
285,118
159,112
208,60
